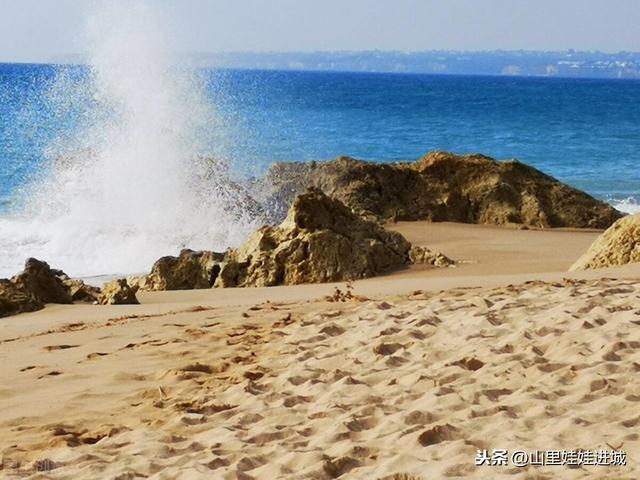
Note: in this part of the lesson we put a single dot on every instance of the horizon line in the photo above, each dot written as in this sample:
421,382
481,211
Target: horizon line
338,52
370,72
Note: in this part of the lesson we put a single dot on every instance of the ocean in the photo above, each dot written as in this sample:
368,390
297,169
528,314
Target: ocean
583,132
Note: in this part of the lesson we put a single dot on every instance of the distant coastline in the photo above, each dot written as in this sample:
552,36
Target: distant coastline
522,63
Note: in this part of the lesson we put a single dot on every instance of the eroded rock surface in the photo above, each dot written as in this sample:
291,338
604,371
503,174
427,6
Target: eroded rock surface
118,292
421,255
618,245
79,291
39,284
15,299
443,186
43,282
321,240
189,270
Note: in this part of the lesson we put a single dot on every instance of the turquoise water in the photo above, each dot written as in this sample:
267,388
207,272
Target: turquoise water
584,132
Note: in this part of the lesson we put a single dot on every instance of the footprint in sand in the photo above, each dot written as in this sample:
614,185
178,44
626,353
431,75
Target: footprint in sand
93,355
251,463
296,400
52,348
467,363
420,418
333,330
361,424
387,348
438,434
339,466
401,476
217,463
297,380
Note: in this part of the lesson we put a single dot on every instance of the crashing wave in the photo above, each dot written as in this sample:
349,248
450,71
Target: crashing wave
130,181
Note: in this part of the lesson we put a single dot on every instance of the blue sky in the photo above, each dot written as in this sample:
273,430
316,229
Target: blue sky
35,30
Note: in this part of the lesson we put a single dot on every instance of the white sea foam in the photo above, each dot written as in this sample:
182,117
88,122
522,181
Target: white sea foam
626,205
130,182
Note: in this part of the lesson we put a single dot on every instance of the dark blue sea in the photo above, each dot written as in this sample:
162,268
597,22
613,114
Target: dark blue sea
583,132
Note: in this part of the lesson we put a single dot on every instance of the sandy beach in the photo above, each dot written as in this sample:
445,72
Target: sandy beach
404,376
391,240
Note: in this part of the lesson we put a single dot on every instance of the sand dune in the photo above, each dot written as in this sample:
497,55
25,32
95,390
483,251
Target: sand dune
398,381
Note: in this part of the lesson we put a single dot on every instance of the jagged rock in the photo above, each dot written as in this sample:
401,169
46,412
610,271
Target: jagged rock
118,292
79,291
321,240
618,245
442,186
40,280
424,256
15,299
38,284
140,282
190,270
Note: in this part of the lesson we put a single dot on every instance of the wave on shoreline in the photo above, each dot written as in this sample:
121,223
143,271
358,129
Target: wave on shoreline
627,205
128,183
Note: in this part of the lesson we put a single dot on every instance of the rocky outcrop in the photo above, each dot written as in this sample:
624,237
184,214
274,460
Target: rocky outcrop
321,240
79,291
43,282
118,292
618,245
420,255
39,284
190,270
15,299
445,187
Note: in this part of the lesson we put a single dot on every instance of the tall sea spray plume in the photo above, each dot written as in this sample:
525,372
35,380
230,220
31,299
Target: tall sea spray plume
128,175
